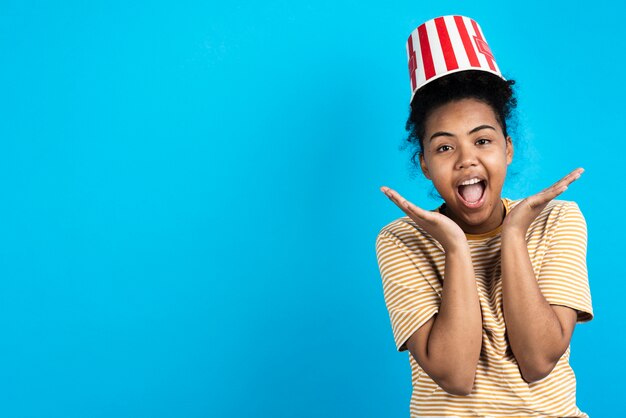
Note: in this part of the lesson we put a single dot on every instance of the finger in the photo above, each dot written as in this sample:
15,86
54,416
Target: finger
419,215
412,208
406,206
395,197
565,181
388,192
391,194
579,172
562,180
574,175
547,194
552,192
541,199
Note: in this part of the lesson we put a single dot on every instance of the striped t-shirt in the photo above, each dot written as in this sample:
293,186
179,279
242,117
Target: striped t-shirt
411,265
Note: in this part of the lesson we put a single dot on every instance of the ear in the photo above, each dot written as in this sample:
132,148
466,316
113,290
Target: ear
424,167
509,150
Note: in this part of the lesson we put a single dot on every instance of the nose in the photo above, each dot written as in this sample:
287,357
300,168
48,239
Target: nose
466,157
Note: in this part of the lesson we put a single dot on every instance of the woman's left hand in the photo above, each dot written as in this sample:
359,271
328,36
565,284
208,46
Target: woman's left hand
525,212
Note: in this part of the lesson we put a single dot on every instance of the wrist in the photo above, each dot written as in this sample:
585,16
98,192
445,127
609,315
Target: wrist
458,247
513,234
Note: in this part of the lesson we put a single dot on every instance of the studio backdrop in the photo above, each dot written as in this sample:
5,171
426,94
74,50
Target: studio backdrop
191,198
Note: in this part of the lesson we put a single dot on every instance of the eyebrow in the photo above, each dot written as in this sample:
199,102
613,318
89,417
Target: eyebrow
476,129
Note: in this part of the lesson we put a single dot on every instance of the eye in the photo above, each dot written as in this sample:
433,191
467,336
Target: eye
484,139
443,146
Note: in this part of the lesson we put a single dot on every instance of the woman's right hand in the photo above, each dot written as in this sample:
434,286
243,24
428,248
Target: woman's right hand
439,226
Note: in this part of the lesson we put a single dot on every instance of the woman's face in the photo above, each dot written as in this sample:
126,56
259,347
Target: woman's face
463,140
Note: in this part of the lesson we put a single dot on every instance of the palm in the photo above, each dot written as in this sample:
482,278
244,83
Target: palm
525,212
439,226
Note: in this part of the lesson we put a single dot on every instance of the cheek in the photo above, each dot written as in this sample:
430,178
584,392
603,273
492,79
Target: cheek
441,173
496,161
497,172
443,183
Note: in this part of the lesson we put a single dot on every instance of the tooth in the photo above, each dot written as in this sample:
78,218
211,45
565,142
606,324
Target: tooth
470,181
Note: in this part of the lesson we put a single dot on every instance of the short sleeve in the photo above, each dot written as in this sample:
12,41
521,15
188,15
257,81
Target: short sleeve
410,295
562,275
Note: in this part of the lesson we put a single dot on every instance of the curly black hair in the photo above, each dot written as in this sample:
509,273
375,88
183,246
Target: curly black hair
481,85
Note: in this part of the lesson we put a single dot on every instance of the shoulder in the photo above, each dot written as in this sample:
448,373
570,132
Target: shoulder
406,233
562,211
558,215
399,228
567,218
554,208
554,203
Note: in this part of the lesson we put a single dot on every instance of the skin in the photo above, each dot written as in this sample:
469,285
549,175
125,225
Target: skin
447,159
539,333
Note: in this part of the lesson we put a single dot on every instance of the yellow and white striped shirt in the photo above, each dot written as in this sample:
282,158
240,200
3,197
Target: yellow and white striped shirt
412,265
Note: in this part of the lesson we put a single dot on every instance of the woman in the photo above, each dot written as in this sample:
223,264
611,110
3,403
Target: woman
484,291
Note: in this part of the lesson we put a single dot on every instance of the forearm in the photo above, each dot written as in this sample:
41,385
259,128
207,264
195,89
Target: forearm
533,328
456,337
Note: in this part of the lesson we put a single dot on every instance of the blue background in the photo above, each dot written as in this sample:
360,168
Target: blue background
191,198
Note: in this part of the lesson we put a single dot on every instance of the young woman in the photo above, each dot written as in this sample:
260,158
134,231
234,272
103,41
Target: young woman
484,291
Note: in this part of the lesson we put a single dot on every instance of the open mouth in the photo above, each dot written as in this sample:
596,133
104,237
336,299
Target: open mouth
472,195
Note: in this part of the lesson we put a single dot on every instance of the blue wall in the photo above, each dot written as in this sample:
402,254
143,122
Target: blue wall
190,198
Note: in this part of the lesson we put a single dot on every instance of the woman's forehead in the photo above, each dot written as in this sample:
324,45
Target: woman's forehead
461,116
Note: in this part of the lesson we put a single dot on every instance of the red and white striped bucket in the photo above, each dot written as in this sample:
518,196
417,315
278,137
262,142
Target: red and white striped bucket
445,45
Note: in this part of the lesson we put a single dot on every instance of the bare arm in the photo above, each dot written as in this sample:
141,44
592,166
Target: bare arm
538,333
448,346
